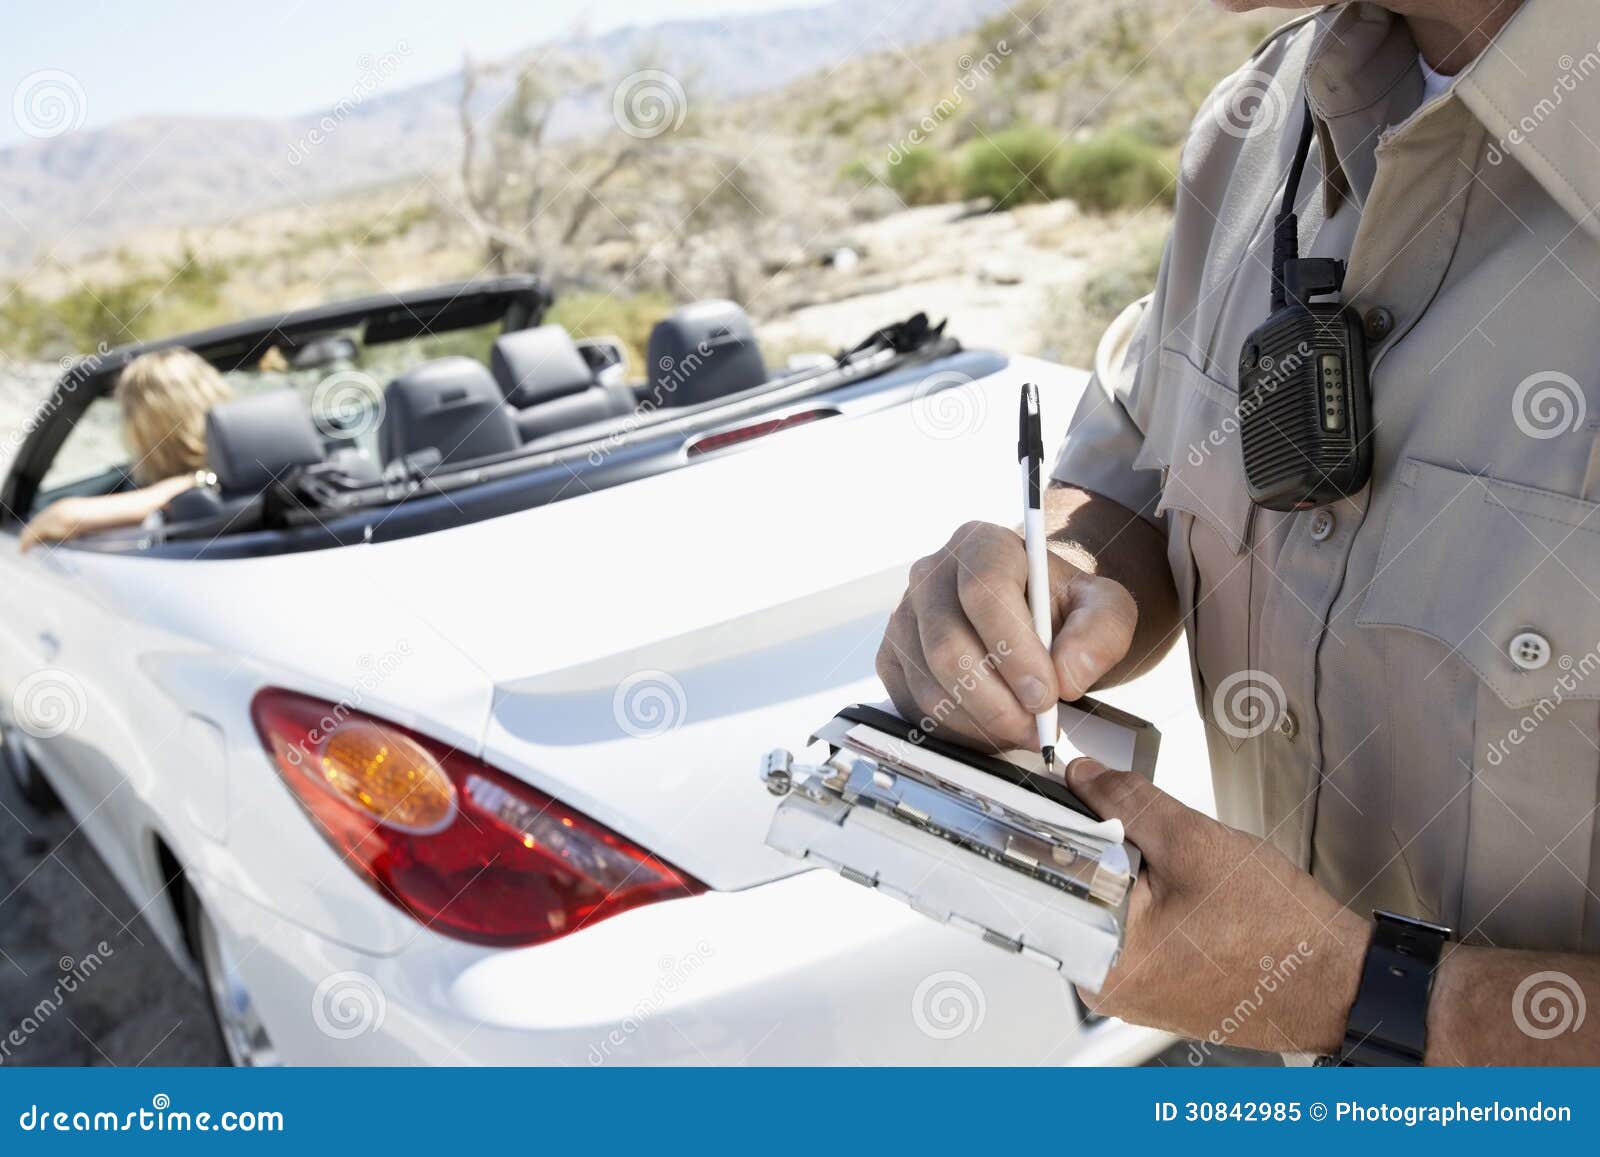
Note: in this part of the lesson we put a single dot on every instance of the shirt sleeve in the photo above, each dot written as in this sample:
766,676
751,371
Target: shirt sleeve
1103,440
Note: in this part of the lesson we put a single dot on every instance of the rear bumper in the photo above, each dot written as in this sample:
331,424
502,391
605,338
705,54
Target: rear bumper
806,970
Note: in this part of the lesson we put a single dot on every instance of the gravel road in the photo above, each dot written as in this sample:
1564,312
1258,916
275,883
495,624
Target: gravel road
83,980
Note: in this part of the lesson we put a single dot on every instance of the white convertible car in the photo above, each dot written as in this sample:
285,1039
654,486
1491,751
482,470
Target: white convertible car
430,732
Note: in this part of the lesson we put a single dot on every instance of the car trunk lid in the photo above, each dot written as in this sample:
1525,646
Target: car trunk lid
648,676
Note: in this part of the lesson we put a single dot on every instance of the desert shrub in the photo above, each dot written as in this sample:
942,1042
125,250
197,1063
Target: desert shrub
1010,167
184,295
1113,170
858,174
24,323
921,175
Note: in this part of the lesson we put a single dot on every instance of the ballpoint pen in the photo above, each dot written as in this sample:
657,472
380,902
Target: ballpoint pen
1030,456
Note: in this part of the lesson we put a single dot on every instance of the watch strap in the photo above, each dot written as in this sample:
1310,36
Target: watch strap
1388,1024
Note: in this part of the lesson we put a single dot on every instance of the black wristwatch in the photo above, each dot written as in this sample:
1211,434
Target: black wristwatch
1388,1023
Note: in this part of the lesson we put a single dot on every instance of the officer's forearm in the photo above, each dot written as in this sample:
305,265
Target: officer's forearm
1496,1006
1106,538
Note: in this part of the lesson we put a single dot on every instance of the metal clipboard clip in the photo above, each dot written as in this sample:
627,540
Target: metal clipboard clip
982,844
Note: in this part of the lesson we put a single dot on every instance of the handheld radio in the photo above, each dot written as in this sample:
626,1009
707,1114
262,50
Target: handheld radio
1305,403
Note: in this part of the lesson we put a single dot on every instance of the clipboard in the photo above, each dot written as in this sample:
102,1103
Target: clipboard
988,844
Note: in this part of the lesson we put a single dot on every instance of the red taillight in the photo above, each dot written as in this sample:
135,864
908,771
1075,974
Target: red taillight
467,850
725,438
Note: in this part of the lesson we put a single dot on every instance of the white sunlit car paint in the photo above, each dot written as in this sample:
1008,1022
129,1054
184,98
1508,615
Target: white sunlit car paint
632,652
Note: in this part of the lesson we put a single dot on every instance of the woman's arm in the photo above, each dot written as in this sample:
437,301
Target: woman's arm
68,518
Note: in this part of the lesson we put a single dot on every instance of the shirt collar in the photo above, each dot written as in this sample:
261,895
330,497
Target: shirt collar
1531,91
1361,78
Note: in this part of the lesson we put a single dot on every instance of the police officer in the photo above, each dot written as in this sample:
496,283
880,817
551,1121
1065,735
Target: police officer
1401,686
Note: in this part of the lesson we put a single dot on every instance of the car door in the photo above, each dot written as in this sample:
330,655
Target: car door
59,640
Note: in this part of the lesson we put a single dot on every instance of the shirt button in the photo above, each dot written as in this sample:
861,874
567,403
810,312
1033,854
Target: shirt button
1287,726
1379,323
1322,524
1529,650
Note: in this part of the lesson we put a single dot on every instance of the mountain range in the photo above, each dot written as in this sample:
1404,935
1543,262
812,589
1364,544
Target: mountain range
85,189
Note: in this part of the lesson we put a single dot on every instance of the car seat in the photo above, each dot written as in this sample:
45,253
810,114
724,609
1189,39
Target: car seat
253,441
550,384
451,405
701,352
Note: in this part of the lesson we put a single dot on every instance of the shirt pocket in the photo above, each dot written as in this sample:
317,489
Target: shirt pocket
1507,577
1192,435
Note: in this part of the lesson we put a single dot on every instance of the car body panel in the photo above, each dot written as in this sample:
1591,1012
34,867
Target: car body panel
810,970
751,586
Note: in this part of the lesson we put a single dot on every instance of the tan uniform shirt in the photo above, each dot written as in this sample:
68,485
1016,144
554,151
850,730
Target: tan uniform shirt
1402,690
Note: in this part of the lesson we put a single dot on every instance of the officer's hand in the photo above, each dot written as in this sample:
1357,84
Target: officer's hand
1227,941
961,656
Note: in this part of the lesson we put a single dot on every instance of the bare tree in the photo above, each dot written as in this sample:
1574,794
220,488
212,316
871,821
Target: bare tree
522,200
540,196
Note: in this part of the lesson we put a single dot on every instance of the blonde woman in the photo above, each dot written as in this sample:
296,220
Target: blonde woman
165,397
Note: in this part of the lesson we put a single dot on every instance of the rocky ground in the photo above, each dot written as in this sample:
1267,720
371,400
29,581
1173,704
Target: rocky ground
1000,278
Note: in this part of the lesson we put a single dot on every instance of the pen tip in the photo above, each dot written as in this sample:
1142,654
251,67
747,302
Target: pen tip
1049,754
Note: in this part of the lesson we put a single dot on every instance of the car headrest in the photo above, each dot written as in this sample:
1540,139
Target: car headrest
451,405
704,351
254,440
537,365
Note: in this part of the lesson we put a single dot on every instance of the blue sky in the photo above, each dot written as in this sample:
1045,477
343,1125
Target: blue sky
279,57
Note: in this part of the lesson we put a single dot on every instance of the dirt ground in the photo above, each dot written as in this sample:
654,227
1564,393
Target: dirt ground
83,980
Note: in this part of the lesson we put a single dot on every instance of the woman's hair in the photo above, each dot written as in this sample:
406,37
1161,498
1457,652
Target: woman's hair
165,397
